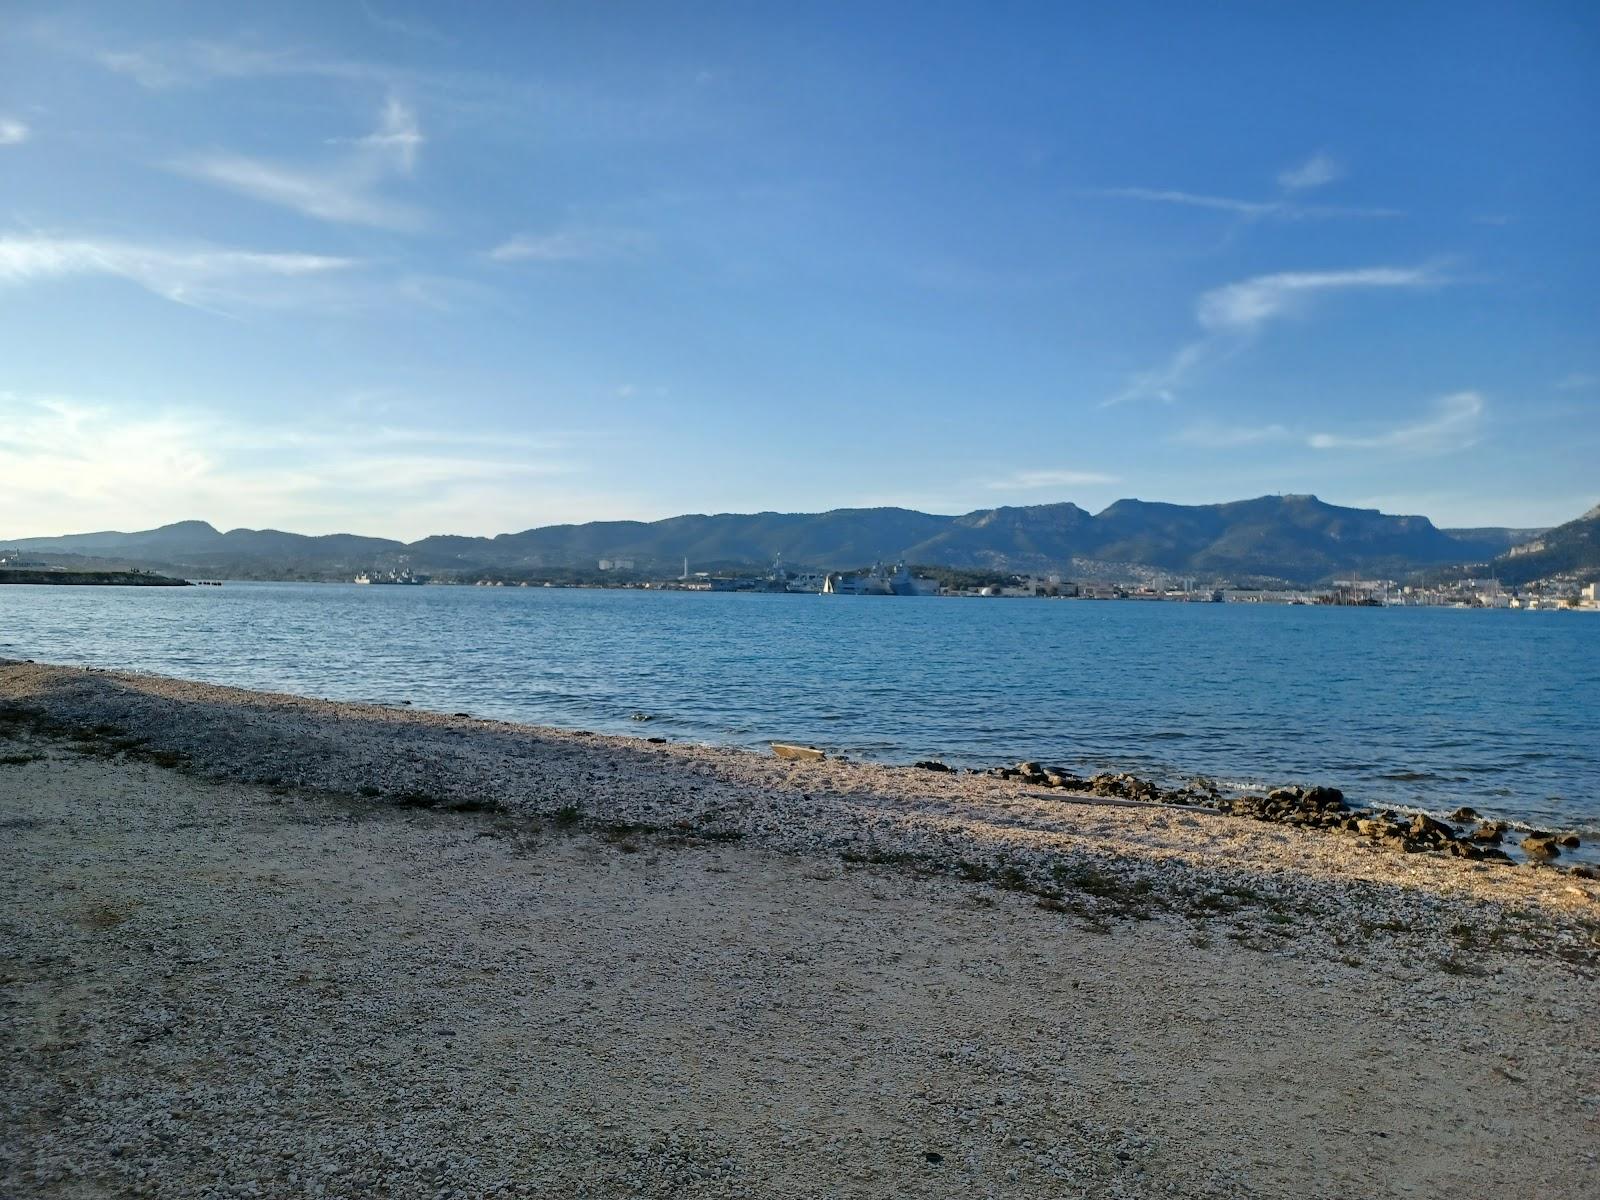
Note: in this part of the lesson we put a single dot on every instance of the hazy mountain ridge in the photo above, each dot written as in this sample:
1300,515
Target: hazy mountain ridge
200,548
1570,549
1291,537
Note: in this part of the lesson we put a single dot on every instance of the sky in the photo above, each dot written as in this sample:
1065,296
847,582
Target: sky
401,269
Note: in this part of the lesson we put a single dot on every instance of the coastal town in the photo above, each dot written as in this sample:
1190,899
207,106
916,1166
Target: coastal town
1567,594
1564,593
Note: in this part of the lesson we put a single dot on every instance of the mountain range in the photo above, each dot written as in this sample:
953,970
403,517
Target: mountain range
1292,538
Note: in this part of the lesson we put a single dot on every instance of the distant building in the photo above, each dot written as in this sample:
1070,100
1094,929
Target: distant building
616,564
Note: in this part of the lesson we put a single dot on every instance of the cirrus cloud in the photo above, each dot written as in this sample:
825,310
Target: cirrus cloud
570,245
1035,480
1232,315
193,275
345,191
1245,306
1454,425
1316,171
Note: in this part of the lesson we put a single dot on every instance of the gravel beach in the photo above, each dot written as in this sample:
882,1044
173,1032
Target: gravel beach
255,944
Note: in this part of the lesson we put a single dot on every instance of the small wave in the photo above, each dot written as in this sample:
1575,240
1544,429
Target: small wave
1517,824
1522,825
1243,785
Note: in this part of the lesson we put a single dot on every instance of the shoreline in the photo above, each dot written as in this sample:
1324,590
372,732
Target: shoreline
1162,778
1009,820
265,944
1167,783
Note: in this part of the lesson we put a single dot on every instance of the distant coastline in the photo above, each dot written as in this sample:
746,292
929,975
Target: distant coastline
1273,542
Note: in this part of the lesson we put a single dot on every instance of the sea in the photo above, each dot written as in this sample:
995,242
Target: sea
1414,708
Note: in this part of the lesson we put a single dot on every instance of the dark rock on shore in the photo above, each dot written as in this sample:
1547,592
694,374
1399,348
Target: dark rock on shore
1425,829
1034,775
930,764
1310,807
1126,787
1325,808
1540,845
1112,785
1474,852
1317,807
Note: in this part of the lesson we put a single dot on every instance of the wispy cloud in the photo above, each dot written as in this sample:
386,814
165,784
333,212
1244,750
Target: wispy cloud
198,276
1578,381
1228,437
324,195
1243,208
1027,481
571,245
396,141
1162,383
1232,315
1245,306
1316,171
344,191
576,110
1454,425
70,464
196,61
1282,210
13,132
408,26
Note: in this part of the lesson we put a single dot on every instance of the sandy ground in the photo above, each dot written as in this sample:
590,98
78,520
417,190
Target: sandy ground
220,987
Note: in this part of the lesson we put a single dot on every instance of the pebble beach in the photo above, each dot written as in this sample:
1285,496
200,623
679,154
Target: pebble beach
258,944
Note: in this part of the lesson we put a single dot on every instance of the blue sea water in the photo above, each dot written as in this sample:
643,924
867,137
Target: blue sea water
1425,708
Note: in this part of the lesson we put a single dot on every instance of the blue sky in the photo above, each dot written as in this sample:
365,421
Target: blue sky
408,269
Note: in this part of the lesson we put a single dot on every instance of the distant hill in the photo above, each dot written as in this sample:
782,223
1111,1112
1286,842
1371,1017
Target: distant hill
1570,549
198,548
1299,539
